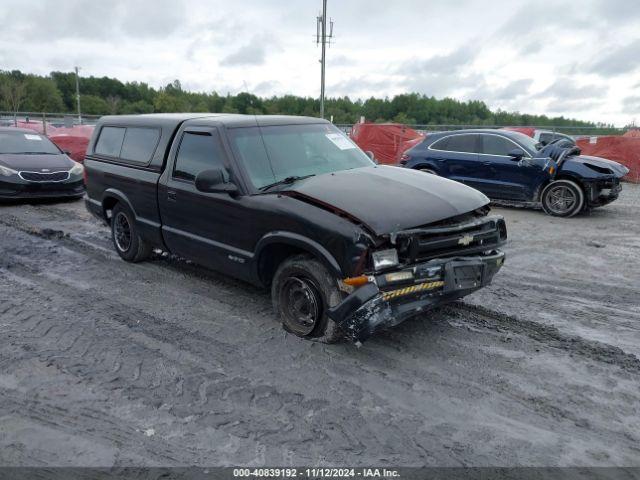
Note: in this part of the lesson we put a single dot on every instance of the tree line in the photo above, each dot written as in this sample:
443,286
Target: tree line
56,93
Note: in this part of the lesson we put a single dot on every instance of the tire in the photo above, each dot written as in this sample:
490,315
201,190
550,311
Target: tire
129,245
562,198
428,170
303,287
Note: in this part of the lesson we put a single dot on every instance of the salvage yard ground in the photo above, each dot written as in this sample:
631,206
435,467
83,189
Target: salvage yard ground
163,363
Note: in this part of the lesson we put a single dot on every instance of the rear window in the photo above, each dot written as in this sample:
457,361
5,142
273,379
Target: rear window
110,141
139,144
457,143
129,144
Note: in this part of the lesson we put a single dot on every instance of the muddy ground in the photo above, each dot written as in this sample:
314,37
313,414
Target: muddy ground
163,363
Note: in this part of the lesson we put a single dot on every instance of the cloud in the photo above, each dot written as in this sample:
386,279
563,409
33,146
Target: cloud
468,49
442,64
512,90
91,20
253,53
631,104
623,59
566,88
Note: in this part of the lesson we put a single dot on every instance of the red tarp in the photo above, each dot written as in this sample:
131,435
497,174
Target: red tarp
621,149
72,139
387,141
530,131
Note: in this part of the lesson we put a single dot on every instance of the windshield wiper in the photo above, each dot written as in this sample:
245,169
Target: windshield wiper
285,181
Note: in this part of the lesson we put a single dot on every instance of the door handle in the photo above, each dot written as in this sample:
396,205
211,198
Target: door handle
487,163
171,195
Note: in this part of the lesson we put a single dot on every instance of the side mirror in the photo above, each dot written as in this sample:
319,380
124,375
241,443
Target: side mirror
371,156
215,181
516,154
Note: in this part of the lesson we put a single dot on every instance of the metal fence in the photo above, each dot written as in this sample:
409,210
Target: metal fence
46,119
69,120
567,130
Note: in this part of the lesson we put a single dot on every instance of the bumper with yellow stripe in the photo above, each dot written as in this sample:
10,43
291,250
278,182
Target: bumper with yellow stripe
382,303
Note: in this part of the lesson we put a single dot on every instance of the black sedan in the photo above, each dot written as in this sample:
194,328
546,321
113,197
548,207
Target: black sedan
31,166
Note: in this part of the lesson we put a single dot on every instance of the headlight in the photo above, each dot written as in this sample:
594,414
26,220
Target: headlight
7,172
77,169
385,258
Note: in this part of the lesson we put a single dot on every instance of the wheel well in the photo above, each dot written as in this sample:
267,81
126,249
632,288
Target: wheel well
108,204
571,178
420,166
272,256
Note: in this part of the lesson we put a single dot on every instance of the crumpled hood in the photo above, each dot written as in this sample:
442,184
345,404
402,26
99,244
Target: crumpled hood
35,163
388,199
618,169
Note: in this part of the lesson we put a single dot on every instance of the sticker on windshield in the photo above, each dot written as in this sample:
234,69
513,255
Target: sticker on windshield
340,141
30,136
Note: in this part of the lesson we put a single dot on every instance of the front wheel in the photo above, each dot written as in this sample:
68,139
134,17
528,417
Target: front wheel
562,198
302,291
428,170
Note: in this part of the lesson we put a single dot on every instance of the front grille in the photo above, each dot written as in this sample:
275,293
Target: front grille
478,235
44,177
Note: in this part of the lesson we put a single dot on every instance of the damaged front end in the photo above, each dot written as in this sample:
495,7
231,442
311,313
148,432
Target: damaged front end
436,264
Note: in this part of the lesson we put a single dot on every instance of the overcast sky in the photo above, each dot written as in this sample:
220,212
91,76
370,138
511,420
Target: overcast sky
575,58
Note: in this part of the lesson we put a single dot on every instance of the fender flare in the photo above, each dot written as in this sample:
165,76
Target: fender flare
300,241
121,197
419,165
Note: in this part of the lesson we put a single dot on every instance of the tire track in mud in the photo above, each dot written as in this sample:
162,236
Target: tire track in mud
185,377
547,335
246,410
482,316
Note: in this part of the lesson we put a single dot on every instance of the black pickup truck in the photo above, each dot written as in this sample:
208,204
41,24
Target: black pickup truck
290,203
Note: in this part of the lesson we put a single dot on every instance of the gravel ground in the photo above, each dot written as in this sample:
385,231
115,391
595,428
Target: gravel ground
104,363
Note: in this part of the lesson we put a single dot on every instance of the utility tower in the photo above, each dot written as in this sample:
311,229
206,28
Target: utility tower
78,94
323,39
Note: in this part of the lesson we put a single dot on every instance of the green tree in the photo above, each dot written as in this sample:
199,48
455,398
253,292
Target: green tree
42,95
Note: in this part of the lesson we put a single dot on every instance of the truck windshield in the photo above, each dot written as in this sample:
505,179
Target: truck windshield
26,143
271,154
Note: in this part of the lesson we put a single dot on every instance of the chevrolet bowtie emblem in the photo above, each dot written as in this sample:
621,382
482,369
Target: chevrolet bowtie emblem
466,240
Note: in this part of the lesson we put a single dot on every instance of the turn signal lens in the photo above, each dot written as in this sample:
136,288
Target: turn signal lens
398,276
551,170
356,281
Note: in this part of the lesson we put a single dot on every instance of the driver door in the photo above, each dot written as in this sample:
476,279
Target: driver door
204,227
506,178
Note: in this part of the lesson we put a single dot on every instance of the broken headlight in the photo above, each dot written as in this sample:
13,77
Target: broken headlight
385,259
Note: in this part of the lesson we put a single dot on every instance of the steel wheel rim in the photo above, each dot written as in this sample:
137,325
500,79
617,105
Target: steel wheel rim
122,232
302,304
561,199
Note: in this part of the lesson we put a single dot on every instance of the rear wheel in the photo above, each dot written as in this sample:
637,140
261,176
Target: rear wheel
562,198
428,170
302,291
128,243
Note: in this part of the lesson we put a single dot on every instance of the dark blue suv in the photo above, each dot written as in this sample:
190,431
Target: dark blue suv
511,167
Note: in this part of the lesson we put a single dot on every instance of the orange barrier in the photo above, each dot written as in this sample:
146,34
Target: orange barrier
387,141
622,149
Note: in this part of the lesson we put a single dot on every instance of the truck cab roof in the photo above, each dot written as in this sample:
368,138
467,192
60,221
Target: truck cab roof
230,120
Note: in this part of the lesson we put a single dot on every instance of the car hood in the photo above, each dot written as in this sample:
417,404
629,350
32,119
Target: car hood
618,169
388,199
35,163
